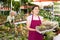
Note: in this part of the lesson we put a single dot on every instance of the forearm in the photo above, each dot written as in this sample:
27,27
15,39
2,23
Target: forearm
28,26
31,29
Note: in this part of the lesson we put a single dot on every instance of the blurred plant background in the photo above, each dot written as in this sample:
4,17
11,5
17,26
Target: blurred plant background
22,7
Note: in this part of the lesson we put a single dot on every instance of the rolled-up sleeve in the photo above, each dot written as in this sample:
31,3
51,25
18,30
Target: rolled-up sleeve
29,18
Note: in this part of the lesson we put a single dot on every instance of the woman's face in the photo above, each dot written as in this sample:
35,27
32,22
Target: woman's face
36,10
12,14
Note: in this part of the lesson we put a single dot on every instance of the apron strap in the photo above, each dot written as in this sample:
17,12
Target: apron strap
39,17
32,17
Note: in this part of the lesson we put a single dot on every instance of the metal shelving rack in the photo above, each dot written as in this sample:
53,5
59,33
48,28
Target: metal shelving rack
57,8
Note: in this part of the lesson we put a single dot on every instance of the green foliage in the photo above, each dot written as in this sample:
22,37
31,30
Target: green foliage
23,2
57,18
7,3
9,25
6,13
45,14
49,35
16,5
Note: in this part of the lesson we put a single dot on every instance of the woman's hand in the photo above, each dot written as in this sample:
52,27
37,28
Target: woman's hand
31,29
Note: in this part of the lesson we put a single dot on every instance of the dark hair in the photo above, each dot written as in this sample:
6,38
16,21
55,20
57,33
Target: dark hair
35,6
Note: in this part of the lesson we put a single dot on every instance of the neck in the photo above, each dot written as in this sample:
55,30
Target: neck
35,15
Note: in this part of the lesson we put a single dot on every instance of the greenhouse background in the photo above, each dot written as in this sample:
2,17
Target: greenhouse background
49,9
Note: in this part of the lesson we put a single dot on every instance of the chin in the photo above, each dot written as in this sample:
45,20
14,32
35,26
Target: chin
36,13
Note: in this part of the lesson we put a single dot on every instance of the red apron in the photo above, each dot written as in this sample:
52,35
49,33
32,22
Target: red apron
33,35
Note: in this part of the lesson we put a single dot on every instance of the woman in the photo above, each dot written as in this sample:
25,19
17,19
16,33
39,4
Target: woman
33,21
11,17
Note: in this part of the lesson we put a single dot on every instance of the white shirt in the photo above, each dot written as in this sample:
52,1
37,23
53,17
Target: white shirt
57,37
9,18
29,18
